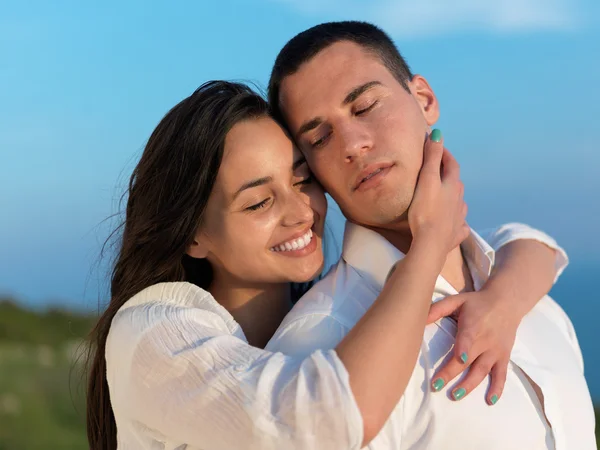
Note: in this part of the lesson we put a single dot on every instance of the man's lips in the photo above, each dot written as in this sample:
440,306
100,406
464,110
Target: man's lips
371,171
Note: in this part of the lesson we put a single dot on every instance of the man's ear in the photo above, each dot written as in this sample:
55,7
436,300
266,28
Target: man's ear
426,98
199,247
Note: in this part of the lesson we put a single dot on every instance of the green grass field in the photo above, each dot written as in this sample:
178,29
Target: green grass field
41,385
41,388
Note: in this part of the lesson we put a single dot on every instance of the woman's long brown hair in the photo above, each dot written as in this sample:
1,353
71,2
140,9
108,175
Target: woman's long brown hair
168,192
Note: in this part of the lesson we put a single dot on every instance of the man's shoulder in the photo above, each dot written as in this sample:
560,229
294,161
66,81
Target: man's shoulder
325,314
341,294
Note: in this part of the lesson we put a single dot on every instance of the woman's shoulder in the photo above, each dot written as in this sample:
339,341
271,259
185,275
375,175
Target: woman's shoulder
180,292
157,332
174,303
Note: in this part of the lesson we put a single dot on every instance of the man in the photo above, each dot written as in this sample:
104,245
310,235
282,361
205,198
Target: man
360,116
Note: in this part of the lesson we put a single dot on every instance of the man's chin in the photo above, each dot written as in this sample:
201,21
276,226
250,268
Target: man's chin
384,216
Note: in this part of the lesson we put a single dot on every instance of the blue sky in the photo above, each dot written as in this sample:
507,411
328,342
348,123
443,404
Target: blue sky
82,86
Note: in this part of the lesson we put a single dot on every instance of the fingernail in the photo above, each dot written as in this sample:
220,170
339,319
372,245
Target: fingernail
438,384
494,399
459,393
436,135
464,357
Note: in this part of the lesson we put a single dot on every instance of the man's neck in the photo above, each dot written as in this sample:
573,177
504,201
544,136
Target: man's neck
259,310
455,270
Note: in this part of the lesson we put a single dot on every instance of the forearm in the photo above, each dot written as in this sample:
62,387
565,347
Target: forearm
389,336
523,273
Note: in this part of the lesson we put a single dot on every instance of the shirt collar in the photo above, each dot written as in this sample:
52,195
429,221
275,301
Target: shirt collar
373,256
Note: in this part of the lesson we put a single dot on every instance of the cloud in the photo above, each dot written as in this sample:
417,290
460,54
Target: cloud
412,18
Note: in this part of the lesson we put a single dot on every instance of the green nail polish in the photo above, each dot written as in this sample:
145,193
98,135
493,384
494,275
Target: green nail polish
464,357
436,135
494,399
459,393
438,384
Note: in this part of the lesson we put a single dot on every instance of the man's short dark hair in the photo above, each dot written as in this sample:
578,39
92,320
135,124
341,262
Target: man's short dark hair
304,46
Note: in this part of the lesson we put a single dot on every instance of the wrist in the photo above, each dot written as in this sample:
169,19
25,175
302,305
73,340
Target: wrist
504,297
428,247
429,252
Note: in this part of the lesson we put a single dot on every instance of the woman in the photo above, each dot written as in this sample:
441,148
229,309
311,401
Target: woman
223,224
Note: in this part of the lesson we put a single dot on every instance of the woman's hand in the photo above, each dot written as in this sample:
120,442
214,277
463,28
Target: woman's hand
488,320
438,211
485,337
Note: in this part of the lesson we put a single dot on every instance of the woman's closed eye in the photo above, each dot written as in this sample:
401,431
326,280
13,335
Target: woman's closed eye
259,205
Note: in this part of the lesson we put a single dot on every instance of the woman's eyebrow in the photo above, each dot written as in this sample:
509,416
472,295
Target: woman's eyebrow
253,183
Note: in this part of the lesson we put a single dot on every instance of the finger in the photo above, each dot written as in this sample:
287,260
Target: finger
498,381
465,337
448,372
445,307
478,371
432,153
451,168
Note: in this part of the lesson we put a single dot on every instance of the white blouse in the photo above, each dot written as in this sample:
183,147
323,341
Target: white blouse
182,375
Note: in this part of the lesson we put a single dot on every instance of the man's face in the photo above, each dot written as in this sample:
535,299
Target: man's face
361,132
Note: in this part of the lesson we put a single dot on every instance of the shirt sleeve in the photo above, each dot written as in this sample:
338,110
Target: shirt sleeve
503,235
210,389
308,332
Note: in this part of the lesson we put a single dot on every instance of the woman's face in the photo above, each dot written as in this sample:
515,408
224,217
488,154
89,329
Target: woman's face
265,216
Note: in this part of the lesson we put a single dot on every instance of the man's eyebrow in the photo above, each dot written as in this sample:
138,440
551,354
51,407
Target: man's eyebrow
358,91
307,126
253,183
298,163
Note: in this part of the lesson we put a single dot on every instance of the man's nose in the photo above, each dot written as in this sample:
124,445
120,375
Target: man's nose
355,140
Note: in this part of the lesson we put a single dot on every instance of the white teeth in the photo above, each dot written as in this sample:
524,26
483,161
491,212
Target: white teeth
294,244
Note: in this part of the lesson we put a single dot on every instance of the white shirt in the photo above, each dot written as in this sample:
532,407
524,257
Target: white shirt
546,349
182,375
